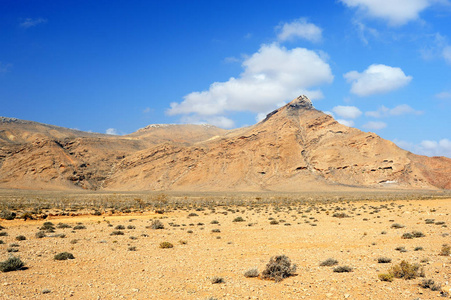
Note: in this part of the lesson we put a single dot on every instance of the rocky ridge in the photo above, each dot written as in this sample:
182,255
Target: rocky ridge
295,148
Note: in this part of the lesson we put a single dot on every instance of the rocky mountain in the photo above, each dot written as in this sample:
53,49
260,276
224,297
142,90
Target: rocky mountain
296,148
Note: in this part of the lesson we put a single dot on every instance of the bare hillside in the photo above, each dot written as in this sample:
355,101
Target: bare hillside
296,148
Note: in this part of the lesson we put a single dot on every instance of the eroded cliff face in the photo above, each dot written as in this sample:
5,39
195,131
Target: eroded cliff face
295,148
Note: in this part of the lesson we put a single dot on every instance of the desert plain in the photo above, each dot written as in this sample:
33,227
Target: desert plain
118,253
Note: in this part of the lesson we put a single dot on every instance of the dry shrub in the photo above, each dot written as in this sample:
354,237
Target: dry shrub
329,262
278,268
157,224
385,277
216,280
406,270
342,269
445,251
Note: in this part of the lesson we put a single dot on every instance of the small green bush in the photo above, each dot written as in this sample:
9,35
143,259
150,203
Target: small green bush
21,238
417,234
384,260
40,234
166,245
329,262
407,235
385,277
238,219
64,256
48,226
7,215
63,225
11,264
342,269
445,251
117,232
340,215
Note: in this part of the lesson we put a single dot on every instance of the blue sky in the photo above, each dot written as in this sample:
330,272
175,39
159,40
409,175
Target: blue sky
116,66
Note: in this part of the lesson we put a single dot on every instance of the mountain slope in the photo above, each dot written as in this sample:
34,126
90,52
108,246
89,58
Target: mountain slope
296,148
40,156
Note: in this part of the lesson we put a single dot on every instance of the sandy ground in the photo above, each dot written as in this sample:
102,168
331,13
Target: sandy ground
105,268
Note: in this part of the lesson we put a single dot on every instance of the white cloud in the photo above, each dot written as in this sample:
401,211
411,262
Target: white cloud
231,60
403,144
436,47
433,46
434,148
299,29
397,12
383,111
260,117
347,112
376,79
363,31
348,123
272,75
428,147
447,54
443,95
372,125
219,121
111,131
29,22
147,110
404,109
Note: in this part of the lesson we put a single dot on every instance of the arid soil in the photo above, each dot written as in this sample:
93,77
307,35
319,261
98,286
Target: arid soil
106,267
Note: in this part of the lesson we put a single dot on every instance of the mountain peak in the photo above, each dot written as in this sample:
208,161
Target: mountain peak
301,102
